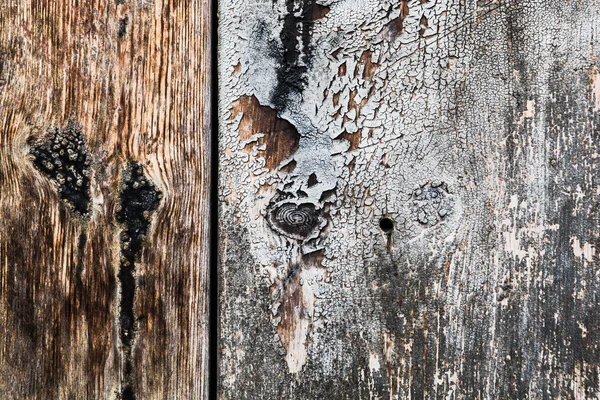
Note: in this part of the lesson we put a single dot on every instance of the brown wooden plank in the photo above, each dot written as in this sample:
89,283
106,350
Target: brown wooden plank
431,228
104,188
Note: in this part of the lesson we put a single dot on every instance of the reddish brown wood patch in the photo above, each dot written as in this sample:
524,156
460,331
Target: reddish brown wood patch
280,137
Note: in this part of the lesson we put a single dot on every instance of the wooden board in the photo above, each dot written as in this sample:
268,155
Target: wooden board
409,195
104,188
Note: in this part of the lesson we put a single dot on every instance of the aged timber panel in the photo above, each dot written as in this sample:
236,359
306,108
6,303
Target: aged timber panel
104,185
409,196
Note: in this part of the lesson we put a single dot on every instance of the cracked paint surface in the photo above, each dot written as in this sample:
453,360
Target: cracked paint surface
473,126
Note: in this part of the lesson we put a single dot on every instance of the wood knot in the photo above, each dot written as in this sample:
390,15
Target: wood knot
298,221
431,203
62,156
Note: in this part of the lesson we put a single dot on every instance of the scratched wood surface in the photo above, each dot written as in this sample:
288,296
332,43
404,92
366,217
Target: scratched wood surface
409,195
104,184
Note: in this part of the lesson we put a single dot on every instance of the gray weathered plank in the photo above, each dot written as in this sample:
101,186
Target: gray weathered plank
473,127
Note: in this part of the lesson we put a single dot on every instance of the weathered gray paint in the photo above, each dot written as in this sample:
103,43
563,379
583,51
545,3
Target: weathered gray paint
474,126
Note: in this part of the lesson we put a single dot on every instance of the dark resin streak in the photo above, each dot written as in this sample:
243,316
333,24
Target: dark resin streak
138,199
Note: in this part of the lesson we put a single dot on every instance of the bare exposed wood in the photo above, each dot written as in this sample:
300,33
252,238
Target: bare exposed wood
435,232
104,185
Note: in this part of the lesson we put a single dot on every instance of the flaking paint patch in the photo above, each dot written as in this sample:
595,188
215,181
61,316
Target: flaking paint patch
514,236
375,142
350,87
595,85
266,136
374,362
586,251
528,113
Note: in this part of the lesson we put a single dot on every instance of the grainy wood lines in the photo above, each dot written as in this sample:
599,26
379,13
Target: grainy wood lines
104,189
410,201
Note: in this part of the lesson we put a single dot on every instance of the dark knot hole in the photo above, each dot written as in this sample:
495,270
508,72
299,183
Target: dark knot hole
386,224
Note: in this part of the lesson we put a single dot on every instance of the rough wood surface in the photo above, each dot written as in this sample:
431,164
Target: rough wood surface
104,185
409,195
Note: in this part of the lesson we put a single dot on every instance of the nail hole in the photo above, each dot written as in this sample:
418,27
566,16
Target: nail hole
386,224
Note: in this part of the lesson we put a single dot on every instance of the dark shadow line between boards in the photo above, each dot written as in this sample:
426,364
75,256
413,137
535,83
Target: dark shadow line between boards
213,276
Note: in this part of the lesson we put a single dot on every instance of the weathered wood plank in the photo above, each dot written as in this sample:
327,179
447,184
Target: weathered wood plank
104,188
431,228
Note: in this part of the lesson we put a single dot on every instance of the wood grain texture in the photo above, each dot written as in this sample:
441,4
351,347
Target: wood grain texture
471,128
104,270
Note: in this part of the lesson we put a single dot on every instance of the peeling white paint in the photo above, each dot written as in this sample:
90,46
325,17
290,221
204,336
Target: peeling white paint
374,362
429,110
586,251
595,78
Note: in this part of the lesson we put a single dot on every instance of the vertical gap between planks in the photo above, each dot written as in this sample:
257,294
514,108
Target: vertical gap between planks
213,331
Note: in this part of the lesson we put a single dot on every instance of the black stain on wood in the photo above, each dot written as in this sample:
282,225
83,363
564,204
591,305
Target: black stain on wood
62,156
80,257
294,57
139,198
122,29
